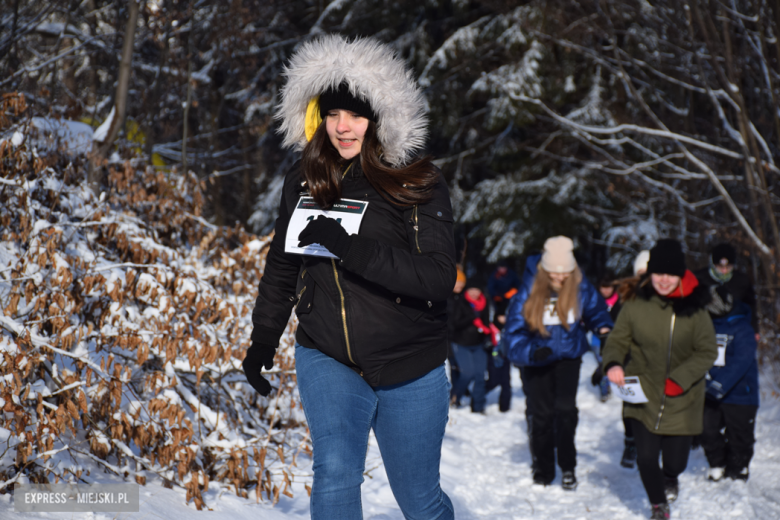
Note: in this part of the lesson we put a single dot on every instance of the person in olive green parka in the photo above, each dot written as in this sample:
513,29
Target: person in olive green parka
669,305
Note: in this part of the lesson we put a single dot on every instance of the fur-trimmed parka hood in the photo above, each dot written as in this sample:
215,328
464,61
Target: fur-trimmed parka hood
374,73
688,306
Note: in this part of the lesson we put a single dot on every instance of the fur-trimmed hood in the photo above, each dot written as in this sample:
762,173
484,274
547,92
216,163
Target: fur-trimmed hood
374,73
688,306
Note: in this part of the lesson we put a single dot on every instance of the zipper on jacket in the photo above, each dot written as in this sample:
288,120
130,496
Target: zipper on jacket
343,311
668,371
300,295
416,228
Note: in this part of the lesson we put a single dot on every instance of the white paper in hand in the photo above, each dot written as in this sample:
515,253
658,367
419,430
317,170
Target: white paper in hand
631,392
349,213
723,342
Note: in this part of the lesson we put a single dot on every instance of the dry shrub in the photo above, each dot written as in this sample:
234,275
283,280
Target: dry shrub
125,320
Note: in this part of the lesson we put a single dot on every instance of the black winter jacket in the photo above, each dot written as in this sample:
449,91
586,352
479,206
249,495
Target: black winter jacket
461,316
382,308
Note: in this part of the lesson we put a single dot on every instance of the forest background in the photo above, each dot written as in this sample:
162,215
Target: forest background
615,122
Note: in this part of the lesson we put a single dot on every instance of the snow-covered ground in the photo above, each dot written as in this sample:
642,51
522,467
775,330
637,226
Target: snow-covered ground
486,472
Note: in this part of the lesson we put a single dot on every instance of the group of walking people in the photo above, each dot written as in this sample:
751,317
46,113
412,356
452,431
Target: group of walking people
474,321
364,252
688,338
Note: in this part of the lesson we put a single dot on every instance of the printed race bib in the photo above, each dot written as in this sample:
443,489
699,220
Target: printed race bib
349,213
723,342
551,317
631,392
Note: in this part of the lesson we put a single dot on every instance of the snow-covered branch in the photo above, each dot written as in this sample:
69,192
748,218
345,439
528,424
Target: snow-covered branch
628,127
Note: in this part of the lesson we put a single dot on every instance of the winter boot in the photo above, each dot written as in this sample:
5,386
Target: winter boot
660,512
716,473
541,479
569,481
629,454
738,474
671,489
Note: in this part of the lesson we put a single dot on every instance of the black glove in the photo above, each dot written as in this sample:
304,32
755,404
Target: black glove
542,353
257,357
597,376
328,233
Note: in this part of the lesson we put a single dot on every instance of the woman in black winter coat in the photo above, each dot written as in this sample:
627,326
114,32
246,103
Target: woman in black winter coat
371,303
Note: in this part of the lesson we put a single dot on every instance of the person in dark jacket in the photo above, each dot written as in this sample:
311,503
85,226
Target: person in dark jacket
460,284
545,333
667,333
371,305
499,368
503,284
732,398
470,335
608,289
722,270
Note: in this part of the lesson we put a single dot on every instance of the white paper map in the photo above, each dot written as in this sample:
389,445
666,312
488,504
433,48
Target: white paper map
349,213
631,392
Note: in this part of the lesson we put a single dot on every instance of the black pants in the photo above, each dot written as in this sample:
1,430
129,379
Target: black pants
528,411
629,428
674,450
500,377
529,414
551,395
732,448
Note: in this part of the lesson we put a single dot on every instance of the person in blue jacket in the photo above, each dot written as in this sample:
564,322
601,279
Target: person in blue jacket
731,401
545,334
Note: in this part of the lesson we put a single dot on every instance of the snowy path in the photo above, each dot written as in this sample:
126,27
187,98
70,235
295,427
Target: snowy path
486,472
486,468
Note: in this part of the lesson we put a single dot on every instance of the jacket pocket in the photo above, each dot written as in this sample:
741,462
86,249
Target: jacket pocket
431,226
409,307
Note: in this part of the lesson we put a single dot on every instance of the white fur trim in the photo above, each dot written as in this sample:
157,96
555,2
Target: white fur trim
373,72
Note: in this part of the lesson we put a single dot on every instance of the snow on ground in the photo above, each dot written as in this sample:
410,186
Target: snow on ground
486,472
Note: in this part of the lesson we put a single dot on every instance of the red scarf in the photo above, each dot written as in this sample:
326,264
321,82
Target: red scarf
688,283
479,305
612,300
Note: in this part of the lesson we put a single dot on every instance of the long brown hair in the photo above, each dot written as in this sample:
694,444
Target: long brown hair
533,309
627,287
323,167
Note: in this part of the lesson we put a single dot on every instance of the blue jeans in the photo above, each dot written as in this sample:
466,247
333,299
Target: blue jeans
408,420
472,362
